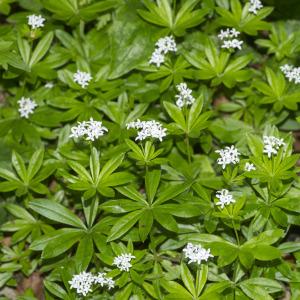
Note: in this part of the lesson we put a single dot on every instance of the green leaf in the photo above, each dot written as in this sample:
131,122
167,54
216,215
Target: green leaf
41,49
152,181
35,163
61,243
201,278
123,225
19,166
55,212
187,279
84,253
176,114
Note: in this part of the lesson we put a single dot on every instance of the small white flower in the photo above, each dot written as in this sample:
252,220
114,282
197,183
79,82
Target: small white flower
255,5
148,129
90,130
49,85
157,58
232,44
82,78
224,197
26,107
164,45
36,21
123,261
272,145
103,280
229,39
229,33
249,167
185,95
291,73
229,155
82,283
196,253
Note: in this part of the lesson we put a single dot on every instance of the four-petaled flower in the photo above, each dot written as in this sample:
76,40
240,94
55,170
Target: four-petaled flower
291,73
195,253
90,130
272,145
82,78
36,21
229,155
229,39
255,5
84,281
249,167
164,45
224,198
26,107
148,129
123,261
185,95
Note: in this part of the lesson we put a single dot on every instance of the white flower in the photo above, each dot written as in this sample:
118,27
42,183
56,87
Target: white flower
224,197
157,58
229,33
249,167
232,44
123,261
291,73
82,78
148,129
164,45
82,283
272,144
196,253
90,130
103,280
229,155
49,85
26,107
229,39
36,21
185,95
255,5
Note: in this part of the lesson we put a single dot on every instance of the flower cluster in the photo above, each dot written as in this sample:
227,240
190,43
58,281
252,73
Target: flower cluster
26,107
123,261
249,167
164,45
185,95
229,38
196,253
224,198
36,21
272,144
291,73
91,130
103,280
84,281
229,155
148,129
82,78
255,5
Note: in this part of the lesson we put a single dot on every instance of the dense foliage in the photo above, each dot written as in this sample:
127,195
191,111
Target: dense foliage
147,150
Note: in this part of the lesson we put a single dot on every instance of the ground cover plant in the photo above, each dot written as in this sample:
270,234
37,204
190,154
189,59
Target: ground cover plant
148,150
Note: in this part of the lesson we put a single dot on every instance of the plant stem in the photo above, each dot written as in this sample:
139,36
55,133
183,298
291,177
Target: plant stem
187,140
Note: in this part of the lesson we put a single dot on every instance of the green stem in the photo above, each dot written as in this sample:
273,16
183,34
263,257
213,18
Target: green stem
187,140
234,228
